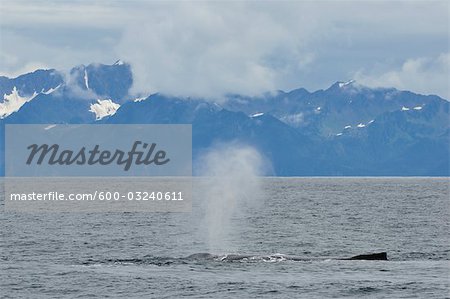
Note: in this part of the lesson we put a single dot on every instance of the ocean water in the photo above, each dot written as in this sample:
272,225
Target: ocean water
135,255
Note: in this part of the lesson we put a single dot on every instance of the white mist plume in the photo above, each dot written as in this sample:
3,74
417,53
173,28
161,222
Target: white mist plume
232,184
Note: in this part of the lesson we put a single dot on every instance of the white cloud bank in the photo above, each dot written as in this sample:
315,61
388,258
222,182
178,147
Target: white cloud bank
426,75
210,49
207,49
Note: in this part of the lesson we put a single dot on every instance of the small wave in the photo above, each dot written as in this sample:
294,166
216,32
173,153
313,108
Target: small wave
147,260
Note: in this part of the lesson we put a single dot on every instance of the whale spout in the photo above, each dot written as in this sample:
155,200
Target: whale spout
201,256
380,256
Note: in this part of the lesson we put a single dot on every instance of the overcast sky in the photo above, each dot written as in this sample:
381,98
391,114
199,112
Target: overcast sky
211,48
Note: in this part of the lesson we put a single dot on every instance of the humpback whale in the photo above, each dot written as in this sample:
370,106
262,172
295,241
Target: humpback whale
379,256
208,257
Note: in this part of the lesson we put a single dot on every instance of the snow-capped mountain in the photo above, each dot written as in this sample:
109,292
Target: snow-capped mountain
346,129
85,94
14,93
106,81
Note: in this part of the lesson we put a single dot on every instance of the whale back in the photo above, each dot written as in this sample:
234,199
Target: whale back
380,256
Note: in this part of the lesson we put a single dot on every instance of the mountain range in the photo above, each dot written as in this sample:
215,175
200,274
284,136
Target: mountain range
344,130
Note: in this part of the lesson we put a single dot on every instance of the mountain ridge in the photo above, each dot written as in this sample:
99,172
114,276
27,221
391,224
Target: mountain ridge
347,129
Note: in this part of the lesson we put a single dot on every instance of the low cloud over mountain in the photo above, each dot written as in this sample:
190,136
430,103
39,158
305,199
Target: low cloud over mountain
345,129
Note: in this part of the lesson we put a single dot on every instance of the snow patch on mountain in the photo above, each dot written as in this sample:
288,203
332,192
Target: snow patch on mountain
104,108
50,90
49,127
12,102
86,79
139,99
342,84
257,114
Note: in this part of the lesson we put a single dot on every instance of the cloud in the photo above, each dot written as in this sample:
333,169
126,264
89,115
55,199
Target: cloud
210,49
426,75
22,52
66,13
14,71
206,49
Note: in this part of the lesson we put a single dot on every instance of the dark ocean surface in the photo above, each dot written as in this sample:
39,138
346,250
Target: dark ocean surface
134,255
